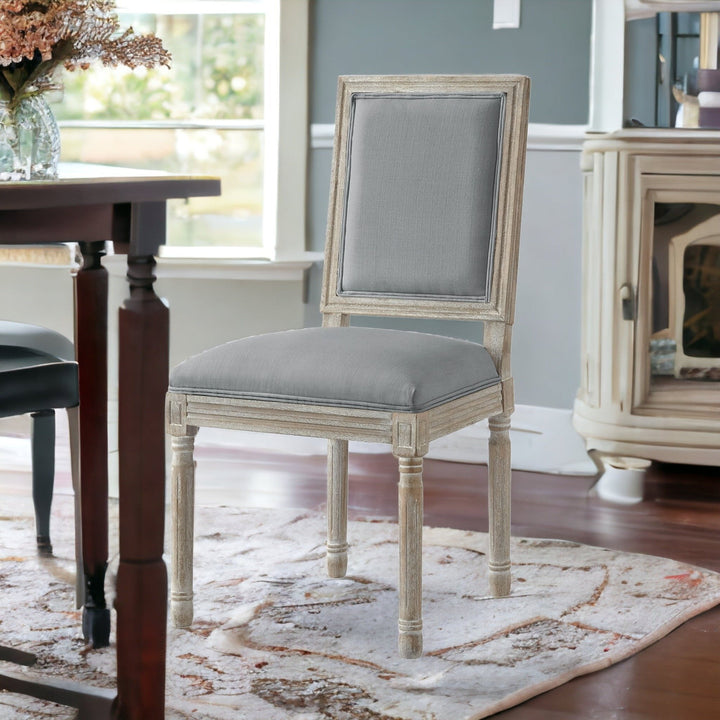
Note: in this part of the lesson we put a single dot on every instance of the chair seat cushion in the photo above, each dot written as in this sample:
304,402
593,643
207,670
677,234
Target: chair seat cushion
355,367
36,337
31,381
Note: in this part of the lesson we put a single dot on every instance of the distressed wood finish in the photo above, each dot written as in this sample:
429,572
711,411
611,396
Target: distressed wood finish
410,521
409,434
499,505
183,525
337,506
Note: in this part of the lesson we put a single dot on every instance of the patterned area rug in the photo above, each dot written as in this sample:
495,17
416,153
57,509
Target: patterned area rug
274,639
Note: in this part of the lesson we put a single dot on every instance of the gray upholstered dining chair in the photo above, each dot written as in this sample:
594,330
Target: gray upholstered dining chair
38,373
424,219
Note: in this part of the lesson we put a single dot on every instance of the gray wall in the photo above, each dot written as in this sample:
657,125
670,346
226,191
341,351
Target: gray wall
640,69
552,46
455,36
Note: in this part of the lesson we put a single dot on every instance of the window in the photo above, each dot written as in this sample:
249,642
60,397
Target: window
215,112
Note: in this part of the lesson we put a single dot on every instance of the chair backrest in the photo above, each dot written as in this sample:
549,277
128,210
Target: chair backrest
426,196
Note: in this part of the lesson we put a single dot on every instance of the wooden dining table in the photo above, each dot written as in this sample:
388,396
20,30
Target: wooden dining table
95,206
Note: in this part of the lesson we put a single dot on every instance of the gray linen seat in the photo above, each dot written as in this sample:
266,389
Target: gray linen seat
368,368
423,221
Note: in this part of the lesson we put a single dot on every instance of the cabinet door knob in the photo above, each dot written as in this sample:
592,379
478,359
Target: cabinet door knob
627,297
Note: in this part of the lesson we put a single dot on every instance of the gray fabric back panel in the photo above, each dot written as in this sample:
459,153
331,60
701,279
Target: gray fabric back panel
421,195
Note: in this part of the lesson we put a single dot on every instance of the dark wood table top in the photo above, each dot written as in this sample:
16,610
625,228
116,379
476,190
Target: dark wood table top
87,184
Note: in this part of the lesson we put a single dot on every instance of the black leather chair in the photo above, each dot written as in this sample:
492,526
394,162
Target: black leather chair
38,373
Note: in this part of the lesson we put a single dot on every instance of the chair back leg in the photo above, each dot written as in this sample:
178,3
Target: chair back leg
43,474
183,527
499,475
410,521
73,415
337,505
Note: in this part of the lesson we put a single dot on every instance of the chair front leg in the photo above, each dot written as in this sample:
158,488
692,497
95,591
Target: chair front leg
43,475
183,530
499,475
410,521
73,416
337,504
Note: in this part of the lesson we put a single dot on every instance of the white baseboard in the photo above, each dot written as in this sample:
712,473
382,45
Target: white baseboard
543,440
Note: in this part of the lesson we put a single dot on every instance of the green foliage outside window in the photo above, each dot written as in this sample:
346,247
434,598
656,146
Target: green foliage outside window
217,73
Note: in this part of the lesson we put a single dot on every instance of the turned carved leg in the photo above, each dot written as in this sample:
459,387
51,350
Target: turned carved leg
499,505
91,288
141,600
43,475
410,519
337,504
183,536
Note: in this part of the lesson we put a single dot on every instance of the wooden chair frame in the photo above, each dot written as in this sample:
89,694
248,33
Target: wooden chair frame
409,434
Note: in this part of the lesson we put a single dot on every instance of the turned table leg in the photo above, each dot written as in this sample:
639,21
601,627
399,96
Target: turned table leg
142,577
91,303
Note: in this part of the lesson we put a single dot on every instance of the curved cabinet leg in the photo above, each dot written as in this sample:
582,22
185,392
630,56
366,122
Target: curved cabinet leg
43,475
410,519
499,476
183,536
337,504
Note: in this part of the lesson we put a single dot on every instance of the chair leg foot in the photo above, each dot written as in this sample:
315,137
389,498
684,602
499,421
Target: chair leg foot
500,581
44,546
410,639
181,612
337,561
96,626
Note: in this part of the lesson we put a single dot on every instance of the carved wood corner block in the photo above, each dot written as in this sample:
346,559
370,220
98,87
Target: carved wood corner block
176,415
508,396
411,436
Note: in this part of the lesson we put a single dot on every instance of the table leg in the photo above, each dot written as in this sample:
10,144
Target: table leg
91,303
142,577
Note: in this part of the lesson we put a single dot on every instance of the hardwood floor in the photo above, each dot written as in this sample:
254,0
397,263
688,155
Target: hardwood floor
678,678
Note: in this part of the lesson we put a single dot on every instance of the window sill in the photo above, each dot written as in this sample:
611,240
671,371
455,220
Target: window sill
224,269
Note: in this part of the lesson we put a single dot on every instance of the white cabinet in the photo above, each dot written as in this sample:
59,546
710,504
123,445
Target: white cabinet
650,381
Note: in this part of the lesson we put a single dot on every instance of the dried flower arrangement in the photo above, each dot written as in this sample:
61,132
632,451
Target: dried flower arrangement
37,36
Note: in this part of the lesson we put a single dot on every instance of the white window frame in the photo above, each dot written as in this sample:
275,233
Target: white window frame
285,131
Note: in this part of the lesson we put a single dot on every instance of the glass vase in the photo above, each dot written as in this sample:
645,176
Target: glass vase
29,140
